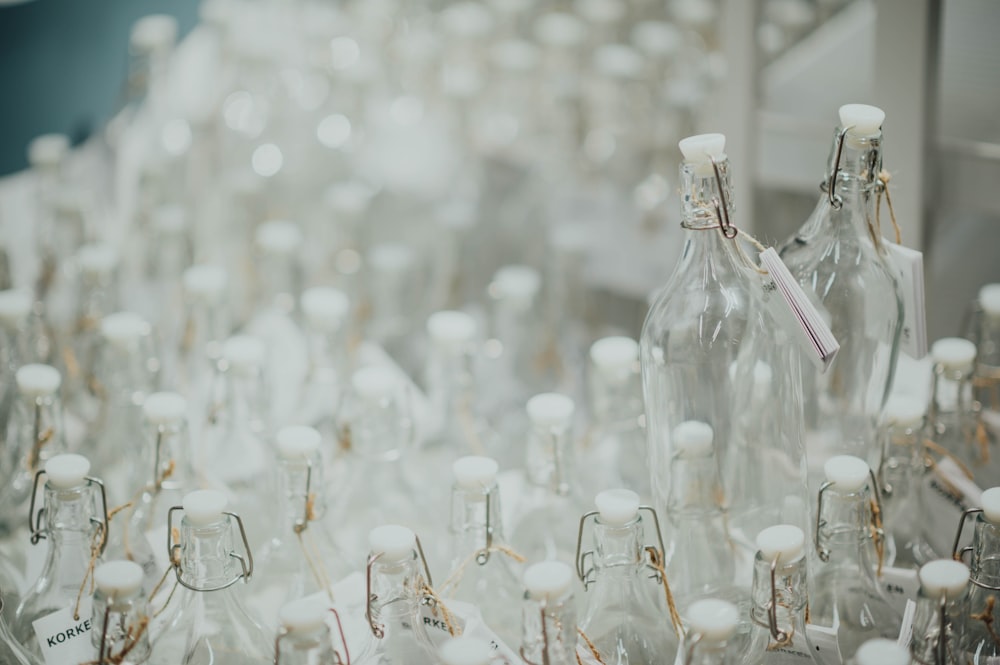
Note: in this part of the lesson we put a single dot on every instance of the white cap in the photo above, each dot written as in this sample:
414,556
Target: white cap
466,651
97,259
67,471
298,442
954,354
700,149
278,237
206,282
471,20
123,328
989,299
119,579
515,55
243,352
155,32
36,380
881,651
451,327
617,507
306,615
324,308
475,473
15,306
516,282
169,218
943,577
551,410
618,61
601,11
847,472
715,620
390,257
861,119
905,411
392,541
657,39
204,507
560,29
784,541
164,408
548,580
990,501
47,150
693,439
374,382
614,355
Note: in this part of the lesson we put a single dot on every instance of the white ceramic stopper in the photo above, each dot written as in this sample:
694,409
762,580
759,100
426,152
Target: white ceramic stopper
700,149
392,541
47,150
614,355
15,306
325,308
943,577
861,119
164,408
954,354
36,380
374,382
905,411
204,507
97,259
278,237
617,507
119,579
846,472
475,473
693,439
515,55
516,282
155,32
550,410
67,471
657,39
881,651
244,352
560,30
618,61
169,219
989,299
124,328
990,501
302,616
548,580
298,442
466,651
784,541
468,20
451,328
206,282
715,620
390,258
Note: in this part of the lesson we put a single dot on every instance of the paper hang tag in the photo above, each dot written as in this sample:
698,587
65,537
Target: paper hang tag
64,639
908,264
906,629
948,493
807,325
824,643
900,584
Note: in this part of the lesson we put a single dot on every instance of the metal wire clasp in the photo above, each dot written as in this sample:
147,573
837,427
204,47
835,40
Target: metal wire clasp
780,636
693,640
346,660
721,205
173,552
303,523
545,637
581,557
821,550
836,201
378,629
35,519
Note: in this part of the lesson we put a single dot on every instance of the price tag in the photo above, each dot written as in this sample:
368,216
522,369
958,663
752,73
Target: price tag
908,264
900,584
906,629
823,640
64,639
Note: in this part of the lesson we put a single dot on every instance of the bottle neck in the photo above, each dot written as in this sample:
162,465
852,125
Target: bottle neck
164,456
450,383
300,498
245,401
40,431
120,627
71,517
985,563
207,559
845,531
618,551
695,487
953,394
475,520
854,181
327,353
396,592
549,631
379,428
124,373
934,635
789,592
308,648
548,462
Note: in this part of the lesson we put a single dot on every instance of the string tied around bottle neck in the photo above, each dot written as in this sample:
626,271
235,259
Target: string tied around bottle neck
40,440
882,189
433,600
656,561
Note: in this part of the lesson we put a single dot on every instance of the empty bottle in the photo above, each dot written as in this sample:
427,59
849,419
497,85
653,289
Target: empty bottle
304,638
10,650
977,624
120,614
941,602
710,639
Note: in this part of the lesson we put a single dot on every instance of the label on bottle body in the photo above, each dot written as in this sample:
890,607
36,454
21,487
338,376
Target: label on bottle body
900,585
64,639
908,264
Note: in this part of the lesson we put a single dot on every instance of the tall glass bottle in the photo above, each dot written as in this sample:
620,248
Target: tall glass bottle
211,625
120,614
839,256
482,570
710,639
624,614
694,327
941,602
778,600
549,630
73,517
977,626
304,638
844,582
901,481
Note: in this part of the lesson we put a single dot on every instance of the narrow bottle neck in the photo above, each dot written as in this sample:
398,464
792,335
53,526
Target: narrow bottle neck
845,531
207,559
300,496
618,551
953,394
70,524
985,563
396,588
124,372
475,520
933,622
379,428
245,400
326,349
790,593
549,631
450,381
120,627
695,487
40,433
548,463
164,455
308,648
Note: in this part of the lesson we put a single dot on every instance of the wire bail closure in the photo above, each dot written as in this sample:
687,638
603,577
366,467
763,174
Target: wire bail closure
346,660
836,201
483,555
581,557
173,551
729,230
303,523
780,636
879,533
378,629
543,607
35,519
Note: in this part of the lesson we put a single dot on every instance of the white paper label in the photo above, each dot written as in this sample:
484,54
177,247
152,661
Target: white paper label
64,640
900,584
945,506
823,640
908,265
906,629
808,327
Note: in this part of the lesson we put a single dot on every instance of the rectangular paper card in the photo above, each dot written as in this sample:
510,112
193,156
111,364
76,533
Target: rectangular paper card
64,639
948,493
908,265
900,584
826,649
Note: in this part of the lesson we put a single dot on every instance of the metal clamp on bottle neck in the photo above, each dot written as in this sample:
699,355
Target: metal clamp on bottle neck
302,523
378,629
959,555
878,533
174,549
38,531
338,659
586,574
542,611
779,635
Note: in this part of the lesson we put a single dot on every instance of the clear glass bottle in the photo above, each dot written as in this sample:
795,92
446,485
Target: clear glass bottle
880,651
694,327
839,256
778,600
482,565
901,481
624,614
941,602
845,585
304,638
10,650
711,637
985,333
549,630
120,614
976,626
396,574
211,625
73,517
326,313
206,326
